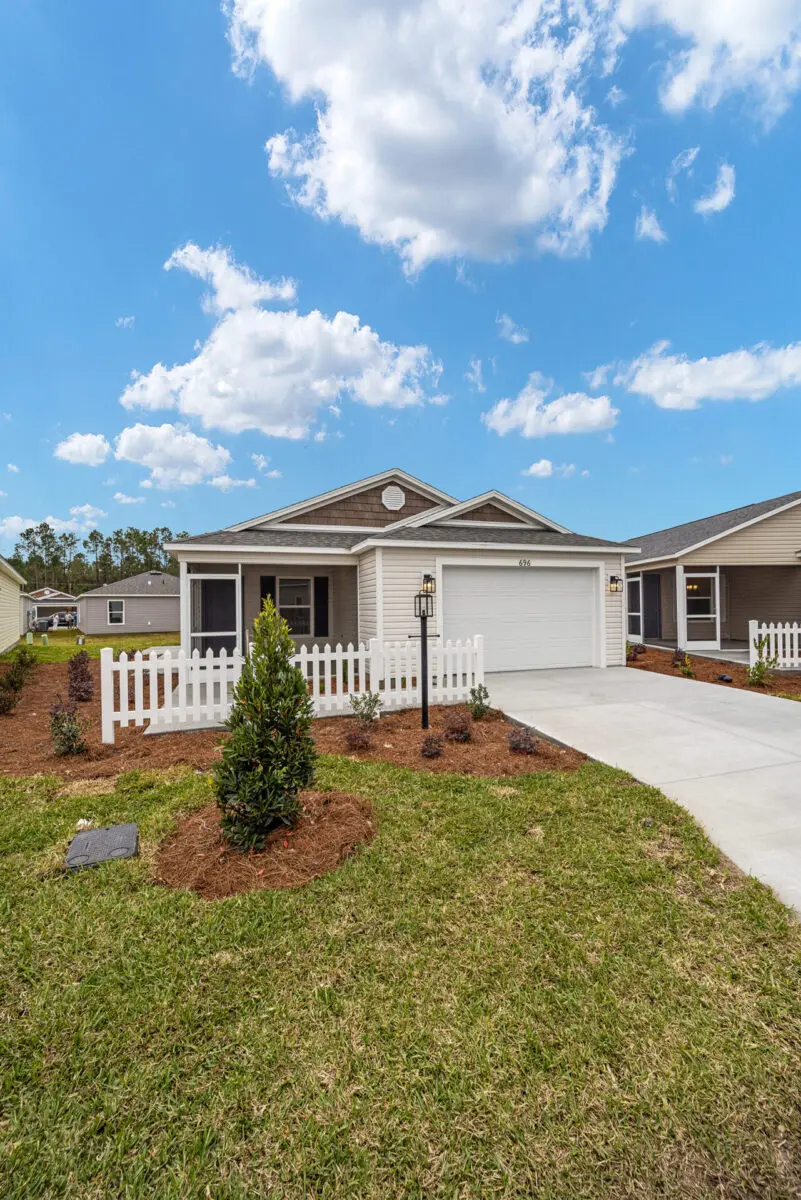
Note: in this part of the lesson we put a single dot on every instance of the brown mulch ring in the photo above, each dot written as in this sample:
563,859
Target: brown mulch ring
196,857
708,670
25,741
397,739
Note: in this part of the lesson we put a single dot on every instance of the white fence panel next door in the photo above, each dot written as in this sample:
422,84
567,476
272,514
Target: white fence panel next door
171,692
781,641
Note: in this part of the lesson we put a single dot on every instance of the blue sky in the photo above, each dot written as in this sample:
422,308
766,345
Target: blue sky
426,174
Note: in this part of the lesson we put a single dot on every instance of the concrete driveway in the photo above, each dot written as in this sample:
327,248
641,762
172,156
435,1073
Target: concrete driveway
733,758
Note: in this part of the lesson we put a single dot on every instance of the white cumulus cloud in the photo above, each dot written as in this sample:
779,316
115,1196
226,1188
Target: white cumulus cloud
545,469
232,286
509,330
721,194
647,227
174,455
533,415
125,322
13,468
121,498
475,375
725,46
442,129
262,463
273,371
82,518
224,483
676,381
86,449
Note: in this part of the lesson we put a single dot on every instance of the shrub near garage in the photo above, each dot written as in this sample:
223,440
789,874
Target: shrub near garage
270,755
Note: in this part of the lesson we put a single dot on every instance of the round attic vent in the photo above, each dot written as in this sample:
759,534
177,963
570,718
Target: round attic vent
393,497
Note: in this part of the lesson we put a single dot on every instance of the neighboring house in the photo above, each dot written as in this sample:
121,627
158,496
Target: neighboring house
146,603
698,585
46,602
345,567
11,610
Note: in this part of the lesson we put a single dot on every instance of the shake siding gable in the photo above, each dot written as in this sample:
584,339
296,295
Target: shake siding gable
363,509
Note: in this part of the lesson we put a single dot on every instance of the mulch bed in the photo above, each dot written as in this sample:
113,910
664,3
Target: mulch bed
708,670
196,857
25,747
398,737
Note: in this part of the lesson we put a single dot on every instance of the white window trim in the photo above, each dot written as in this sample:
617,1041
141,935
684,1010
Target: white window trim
115,600
629,612
306,579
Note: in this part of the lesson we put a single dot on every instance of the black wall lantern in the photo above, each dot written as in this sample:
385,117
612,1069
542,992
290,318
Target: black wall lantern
615,583
423,610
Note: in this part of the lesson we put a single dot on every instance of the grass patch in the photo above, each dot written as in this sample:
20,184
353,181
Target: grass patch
551,987
63,643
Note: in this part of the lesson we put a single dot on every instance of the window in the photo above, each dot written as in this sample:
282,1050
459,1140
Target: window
634,594
295,604
700,596
116,612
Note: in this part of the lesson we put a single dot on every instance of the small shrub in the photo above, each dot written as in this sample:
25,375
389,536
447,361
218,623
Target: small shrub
432,746
522,740
67,729
479,702
79,677
8,701
678,659
358,738
25,656
458,726
14,678
686,668
367,707
758,674
270,755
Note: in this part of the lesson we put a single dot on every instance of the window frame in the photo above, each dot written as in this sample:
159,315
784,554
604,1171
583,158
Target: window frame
115,600
712,615
307,579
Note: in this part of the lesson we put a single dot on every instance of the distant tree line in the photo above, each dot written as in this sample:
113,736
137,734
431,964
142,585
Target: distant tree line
64,560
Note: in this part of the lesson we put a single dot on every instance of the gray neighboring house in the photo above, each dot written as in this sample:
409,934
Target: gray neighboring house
146,603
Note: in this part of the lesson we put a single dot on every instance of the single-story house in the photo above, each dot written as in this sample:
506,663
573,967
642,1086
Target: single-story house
11,610
46,602
144,603
344,567
698,585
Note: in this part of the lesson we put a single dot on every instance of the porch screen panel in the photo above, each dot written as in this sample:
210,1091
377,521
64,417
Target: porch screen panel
321,606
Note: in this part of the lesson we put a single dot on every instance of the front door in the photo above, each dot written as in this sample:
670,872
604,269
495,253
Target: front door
652,606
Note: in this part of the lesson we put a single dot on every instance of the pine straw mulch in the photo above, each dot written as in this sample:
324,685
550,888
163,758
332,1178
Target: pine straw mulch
25,741
331,827
708,670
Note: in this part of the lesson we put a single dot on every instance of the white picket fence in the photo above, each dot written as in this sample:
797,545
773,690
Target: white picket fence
783,641
174,691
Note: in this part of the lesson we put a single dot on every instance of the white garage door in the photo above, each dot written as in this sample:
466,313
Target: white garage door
530,616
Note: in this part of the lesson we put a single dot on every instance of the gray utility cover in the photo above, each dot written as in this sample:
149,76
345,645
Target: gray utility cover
95,846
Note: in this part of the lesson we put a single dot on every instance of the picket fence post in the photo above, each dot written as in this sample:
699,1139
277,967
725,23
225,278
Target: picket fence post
107,695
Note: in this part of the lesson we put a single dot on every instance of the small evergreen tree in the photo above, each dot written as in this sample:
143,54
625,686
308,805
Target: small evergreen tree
270,755
79,677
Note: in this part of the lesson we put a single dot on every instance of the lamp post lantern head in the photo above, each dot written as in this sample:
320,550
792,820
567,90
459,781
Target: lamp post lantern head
423,605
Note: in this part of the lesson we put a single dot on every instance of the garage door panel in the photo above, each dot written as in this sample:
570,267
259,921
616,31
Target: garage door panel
529,617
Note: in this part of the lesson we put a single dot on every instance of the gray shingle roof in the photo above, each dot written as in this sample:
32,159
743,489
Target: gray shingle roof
266,538
454,535
149,583
666,543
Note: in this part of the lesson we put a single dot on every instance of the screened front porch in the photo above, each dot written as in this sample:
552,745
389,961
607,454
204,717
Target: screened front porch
708,608
219,605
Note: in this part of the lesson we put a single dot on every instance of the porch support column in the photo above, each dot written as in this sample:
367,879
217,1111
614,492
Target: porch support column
186,644
681,608
240,615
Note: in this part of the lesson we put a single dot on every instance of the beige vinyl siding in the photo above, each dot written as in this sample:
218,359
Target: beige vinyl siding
345,601
775,539
10,611
367,596
143,614
758,594
403,572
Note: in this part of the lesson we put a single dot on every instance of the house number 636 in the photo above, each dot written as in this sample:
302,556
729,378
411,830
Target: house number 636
524,562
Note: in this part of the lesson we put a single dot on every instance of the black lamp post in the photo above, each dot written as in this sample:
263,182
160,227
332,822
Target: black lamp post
423,609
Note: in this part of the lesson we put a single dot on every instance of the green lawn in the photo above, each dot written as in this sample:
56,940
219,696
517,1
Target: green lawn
545,988
63,643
